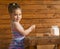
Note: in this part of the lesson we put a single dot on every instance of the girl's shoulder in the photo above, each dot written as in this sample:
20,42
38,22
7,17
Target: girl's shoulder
17,24
12,26
14,23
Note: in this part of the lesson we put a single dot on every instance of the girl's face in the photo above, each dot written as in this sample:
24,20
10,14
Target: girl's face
16,15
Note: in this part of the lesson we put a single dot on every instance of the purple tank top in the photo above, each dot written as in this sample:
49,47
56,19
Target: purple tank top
17,35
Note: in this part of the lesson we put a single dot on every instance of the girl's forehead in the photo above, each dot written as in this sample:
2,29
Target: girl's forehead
18,10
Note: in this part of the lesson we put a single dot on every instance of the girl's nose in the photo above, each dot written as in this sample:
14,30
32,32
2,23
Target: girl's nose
17,16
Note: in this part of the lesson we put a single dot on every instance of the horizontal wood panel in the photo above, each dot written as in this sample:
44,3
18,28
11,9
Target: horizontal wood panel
27,7
34,11
37,30
4,26
34,7
32,21
40,7
5,32
31,1
43,25
42,0
40,40
38,2
43,30
5,36
40,16
40,11
5,41
37,25
5,21
38,21
4,17
34,16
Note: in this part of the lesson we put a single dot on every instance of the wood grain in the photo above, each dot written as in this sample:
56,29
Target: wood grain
43,13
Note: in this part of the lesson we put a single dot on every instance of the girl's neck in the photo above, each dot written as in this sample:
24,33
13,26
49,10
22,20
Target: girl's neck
14,21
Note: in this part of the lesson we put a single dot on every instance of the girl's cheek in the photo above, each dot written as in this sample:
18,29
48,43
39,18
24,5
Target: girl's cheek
21,16
15,17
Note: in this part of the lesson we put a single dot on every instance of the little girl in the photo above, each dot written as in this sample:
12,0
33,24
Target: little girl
17,30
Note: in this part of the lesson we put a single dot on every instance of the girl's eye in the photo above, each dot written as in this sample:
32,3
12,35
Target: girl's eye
19,14
15,14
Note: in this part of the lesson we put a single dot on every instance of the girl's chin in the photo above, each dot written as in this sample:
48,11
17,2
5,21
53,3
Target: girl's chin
17,20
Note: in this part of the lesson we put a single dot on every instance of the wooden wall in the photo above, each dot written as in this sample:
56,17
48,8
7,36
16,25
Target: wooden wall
43,13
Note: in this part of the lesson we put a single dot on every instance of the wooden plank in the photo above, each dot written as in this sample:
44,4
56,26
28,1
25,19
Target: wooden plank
34,11
34,16
40,11
5,36
40,40
37,25
32,21
5,32
31,1
4,26
4,16
37,30
5,21
41,7
7,1
5,41
42,25
38,2
34,7
42,30
41,15
38,21
58,46
45,46
42,0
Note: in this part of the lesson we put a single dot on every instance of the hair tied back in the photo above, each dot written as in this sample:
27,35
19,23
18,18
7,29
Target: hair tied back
13,4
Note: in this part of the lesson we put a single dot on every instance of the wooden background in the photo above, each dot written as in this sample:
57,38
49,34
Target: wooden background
43,13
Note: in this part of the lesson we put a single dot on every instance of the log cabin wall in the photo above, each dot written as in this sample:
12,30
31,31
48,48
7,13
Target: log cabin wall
43,13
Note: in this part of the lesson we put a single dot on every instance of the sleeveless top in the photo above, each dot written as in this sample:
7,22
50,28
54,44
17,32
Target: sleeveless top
16,34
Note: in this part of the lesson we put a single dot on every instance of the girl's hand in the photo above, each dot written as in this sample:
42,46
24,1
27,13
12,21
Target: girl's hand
33,27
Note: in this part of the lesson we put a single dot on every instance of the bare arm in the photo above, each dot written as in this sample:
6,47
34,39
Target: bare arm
20,29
